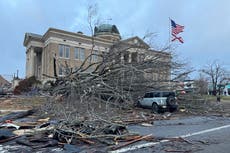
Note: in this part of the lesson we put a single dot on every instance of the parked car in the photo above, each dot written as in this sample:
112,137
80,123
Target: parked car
158,101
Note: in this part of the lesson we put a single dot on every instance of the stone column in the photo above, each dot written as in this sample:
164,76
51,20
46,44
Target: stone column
122,58
42,64
130,57
32,62
27,63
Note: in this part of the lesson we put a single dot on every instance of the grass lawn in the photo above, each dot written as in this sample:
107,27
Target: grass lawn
213,98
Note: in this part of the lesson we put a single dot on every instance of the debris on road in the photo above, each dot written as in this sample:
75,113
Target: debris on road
45,133
16,115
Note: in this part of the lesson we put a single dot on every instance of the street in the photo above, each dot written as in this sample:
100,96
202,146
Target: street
202,134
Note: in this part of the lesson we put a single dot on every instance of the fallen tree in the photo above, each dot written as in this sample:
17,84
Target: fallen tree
114,81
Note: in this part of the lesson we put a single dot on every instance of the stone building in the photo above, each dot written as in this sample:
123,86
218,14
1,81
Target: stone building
72,48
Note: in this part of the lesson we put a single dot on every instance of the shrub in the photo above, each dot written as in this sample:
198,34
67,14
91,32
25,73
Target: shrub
26,85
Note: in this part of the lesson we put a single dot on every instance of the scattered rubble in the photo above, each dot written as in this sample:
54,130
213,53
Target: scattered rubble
28,129
195,104
46,133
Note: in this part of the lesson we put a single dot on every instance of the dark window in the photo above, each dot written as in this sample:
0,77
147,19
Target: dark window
134,57
147,95
156,94
126,57
167,94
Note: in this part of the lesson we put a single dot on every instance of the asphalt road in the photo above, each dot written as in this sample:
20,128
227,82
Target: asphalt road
204,134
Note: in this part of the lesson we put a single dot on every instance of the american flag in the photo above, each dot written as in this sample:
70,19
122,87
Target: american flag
176,28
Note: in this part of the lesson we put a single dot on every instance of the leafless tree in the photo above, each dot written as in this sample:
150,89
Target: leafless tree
216,75
115,80
202,84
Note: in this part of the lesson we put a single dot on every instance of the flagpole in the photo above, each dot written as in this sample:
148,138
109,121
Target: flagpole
169,31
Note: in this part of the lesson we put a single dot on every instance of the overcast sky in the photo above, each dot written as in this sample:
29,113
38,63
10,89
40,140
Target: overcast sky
206,34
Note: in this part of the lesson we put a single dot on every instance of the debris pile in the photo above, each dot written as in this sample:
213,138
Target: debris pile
197,105
25,130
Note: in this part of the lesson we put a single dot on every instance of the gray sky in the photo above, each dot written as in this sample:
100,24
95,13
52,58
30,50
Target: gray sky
206,33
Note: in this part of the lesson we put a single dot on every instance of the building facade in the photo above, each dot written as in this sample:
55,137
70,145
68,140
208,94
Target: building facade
73,48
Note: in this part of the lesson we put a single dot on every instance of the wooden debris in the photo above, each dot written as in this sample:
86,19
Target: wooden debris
44,119
32,131
127,138
39,144
87,141
184,151
203,142
130,142
16,115
179,139
8,139
135,121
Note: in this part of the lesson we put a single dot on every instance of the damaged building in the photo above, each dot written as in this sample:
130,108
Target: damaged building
73,48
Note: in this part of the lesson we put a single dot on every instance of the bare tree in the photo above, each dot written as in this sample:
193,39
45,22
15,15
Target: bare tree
202,84
216,75
115,79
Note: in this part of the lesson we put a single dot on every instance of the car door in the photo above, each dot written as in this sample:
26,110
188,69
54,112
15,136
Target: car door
157,97
147,100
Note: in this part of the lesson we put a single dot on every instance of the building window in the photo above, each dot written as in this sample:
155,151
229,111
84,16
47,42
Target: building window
126,57
76,53
79,53
134,57
60,71
61,50
82,54
95,56
67,51
64,51
141,57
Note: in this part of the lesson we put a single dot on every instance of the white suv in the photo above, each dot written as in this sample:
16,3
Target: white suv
159,100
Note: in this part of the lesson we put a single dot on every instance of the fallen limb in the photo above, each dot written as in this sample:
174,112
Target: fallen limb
86,141
134,121
131,142
16,115
128,138
185,151
187,141
179,139
8,139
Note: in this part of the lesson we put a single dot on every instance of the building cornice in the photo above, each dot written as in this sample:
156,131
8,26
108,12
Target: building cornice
76,36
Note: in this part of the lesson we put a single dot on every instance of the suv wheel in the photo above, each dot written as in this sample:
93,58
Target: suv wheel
155,108
171,101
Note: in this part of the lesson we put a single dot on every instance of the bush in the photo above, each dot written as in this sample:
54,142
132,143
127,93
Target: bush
26,85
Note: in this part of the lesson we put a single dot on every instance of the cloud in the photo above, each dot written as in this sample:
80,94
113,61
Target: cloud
206,24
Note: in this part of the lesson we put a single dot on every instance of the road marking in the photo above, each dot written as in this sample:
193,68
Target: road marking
162,141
